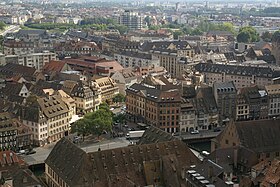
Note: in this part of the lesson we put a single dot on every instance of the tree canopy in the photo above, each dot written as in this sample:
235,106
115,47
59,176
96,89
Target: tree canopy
267,36
94,123
2,25
276,36
248,34
119,98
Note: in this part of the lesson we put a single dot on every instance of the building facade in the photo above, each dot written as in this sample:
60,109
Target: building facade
225,96
148,104
134,59
131,19
106,86
48,118
274,100
242,76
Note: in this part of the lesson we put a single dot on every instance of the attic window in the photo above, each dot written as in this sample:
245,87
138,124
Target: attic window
113,154
123,152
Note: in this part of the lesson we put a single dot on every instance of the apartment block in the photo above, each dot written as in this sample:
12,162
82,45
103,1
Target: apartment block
241,76
225,96
36,60
131,19
135,59
148,104
274,100
48,118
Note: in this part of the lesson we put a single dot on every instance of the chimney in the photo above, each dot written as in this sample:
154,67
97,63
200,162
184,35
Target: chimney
235,154
183,173
11,156
210,173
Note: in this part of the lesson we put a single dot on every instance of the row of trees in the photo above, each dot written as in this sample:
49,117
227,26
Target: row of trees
203,26
50,26
249,34
96,23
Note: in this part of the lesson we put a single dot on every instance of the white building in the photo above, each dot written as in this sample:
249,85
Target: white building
134,59
36,60
274,100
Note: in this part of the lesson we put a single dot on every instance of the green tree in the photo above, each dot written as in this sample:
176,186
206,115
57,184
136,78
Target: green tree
196,31
176,34
2,25
266,36
121,28
187,30
243,37
227,27
276,36
94,123
99,121
248,34
154,27
120,118
81,127
119,98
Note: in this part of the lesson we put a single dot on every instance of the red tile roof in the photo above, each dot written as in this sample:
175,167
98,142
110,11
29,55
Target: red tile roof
54,66
9,157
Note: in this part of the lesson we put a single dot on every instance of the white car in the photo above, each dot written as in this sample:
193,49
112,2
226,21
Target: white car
195,132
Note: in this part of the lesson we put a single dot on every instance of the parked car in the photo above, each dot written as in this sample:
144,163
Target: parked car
217,129
195,132
30,152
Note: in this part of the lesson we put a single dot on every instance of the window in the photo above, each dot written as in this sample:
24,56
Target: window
267,155
226,141
277,154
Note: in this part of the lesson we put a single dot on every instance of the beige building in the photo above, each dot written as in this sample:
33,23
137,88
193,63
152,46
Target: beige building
48,118
242,76
36,60
274,100
17,47
242,108
106,86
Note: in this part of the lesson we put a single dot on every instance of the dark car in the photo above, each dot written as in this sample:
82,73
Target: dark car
30,152
217,129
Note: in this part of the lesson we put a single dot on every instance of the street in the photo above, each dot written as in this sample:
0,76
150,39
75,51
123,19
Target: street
43,152
201,134
10,28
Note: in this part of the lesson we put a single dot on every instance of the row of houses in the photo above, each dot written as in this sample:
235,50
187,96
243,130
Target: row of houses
183,107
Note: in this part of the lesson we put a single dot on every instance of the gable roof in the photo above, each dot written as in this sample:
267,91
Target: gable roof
25,178
266,72
54,66
11,70
259,135
72,166
155,135
126,164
